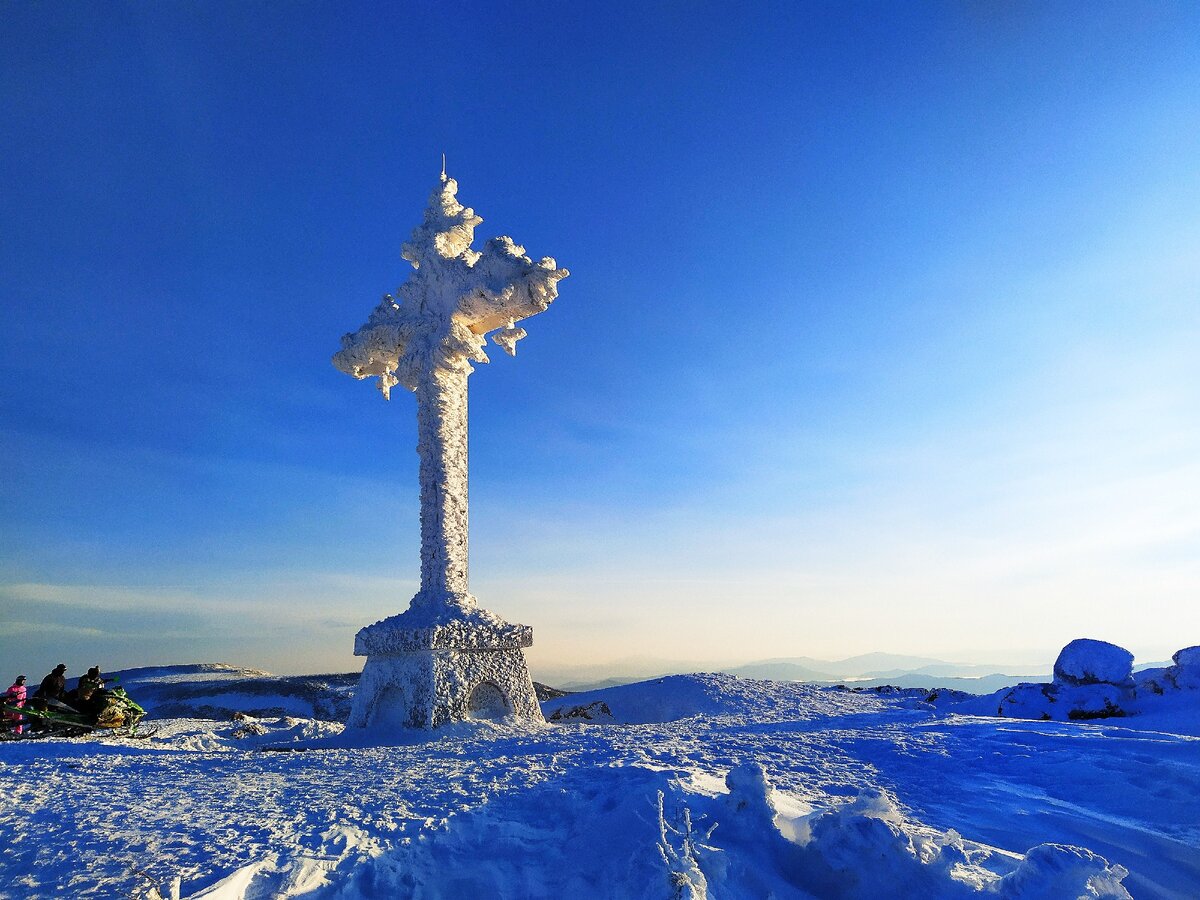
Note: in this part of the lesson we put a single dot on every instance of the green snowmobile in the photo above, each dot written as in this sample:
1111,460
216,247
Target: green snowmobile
107,710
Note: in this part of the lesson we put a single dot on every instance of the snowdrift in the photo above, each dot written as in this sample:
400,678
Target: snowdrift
628,831
677,697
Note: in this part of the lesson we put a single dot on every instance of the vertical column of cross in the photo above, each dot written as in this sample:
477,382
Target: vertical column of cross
442,448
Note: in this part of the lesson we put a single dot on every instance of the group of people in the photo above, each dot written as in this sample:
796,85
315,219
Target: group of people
82,697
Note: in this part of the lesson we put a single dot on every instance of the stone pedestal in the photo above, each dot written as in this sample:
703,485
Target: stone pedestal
423,677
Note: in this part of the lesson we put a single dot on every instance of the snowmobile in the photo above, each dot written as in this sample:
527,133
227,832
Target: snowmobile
110,710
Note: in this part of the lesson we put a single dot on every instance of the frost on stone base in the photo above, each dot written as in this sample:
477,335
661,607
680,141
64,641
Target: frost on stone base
433,663
420,629
429,688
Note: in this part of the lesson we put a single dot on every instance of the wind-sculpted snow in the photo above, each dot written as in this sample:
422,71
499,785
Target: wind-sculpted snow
631,831
760,787
680,696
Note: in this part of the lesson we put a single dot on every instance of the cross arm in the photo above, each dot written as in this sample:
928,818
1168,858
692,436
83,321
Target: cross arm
508,286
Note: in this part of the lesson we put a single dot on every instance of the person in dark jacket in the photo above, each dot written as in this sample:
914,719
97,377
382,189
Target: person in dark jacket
89,684
54,685
88,696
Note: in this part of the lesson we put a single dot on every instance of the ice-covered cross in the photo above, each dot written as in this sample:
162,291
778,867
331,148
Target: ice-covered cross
425,338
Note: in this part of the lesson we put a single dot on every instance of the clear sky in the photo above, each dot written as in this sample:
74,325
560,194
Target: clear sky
882,333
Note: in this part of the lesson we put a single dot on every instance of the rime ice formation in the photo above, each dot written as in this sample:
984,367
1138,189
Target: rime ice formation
445,659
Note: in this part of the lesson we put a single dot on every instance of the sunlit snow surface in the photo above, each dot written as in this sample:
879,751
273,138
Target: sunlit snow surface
832,794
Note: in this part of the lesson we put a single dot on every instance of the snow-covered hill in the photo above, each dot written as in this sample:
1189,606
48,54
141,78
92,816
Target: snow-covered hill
214,690
713,695
868,669
715,787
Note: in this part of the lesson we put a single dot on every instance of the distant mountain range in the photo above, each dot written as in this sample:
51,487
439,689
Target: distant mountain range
806,668
215,690
867,670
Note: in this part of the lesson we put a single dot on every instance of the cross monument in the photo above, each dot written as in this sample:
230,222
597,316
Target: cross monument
445,658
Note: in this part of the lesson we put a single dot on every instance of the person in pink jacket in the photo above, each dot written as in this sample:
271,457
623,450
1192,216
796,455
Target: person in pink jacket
15,696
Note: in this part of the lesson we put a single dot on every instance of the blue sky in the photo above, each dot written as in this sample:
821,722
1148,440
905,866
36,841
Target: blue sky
881,330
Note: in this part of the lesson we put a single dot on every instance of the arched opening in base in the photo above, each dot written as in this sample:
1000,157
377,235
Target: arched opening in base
391,710
487,702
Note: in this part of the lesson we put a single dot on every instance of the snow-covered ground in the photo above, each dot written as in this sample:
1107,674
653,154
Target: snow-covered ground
687,786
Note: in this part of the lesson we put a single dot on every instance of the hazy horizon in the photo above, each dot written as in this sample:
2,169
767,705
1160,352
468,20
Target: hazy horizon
543,666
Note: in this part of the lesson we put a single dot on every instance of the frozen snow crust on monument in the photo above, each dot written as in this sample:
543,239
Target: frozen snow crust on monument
424,670
440,317
412,630
429,688
445,659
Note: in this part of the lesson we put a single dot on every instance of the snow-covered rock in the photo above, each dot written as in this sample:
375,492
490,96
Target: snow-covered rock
1087,661
1055,701
596,711
1186,671
1094,681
